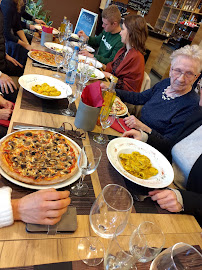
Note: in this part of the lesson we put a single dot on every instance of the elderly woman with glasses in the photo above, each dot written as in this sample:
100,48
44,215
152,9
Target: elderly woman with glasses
185,153
169,103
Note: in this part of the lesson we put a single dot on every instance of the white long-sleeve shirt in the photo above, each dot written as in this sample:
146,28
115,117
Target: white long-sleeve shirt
6,211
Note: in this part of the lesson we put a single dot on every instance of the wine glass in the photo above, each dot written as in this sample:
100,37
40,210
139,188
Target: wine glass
106,121
111,208
59,63
82,43
155,240
178,257
68,32
88,161
118,255
71,98
85,72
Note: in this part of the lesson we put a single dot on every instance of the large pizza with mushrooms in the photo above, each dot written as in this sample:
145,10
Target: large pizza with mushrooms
38,157
43,57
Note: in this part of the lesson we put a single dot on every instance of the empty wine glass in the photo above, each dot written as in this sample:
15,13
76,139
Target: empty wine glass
178,257
118,255
155,240
71,98
88,162
111,208
59,63
85,72
106,121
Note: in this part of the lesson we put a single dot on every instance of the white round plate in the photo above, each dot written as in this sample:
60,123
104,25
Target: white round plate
87,47
165,174
39,28
27,81
98,74
90,60
37,187
30,56
74,36
55,47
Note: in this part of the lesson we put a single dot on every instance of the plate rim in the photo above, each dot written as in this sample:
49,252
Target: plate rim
97,78
43,96
98,62
29,54
146,183
39,187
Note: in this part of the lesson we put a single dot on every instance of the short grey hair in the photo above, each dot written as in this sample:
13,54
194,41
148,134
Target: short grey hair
194,52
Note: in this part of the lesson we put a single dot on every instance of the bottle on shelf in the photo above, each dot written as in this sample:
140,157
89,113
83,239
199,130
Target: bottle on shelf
109,96
63,25
73,66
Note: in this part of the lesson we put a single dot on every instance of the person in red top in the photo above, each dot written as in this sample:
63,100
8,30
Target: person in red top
128,64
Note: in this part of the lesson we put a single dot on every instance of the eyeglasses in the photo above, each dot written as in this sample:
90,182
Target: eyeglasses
188,74
68,129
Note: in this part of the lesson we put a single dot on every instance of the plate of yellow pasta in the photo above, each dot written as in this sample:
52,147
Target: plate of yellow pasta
140,163
44,86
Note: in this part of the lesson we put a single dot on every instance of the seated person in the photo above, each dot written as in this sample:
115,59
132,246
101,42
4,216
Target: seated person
128,64
109,41
6,109
185,152
42,207
17,44
168,104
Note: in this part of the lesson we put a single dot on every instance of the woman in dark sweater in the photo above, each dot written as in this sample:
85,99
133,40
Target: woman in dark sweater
185,151
168,104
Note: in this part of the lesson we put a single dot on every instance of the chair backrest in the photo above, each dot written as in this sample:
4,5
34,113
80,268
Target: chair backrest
146,84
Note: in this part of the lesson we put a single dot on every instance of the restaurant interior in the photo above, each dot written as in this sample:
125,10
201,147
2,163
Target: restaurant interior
100,147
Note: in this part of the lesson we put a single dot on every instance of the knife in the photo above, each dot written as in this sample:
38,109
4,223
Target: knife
36,127
47,67
120,123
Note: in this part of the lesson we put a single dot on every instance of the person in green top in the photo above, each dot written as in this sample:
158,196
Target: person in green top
109,41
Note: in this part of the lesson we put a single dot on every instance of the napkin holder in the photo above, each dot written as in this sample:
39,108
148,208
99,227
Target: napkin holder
67,224
86,116
46,36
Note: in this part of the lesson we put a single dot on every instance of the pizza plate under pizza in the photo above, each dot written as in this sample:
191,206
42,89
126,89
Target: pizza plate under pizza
38,186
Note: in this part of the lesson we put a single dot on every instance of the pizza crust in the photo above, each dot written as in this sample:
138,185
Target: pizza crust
43,57
119,107
60,176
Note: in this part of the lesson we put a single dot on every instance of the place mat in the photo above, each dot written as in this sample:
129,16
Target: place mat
34,103
79,265
83,204
108,175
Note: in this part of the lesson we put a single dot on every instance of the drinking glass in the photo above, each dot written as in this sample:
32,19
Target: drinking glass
71,98
85,72
68,31
61,37
111,208
118,255
178,257
88,161
106,121
154,237
59,63
82,43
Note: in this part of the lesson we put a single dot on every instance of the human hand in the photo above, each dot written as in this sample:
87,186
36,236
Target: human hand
6,104
103,86
40,21
132,122
28,47
166,199
7,83
86,53
107,74
32,27
5,114
136,134
13,60
41,207
81,33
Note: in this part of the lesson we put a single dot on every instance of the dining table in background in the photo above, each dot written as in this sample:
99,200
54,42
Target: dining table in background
19,248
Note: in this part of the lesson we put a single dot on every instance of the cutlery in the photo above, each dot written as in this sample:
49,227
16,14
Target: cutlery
17,127
117,118
140,198
47,67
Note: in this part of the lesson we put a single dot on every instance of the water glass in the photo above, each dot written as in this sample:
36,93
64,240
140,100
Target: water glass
59,63
71,98
178,257
118,255
111,209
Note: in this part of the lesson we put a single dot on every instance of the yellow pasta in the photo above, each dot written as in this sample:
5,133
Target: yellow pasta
138,165
46,90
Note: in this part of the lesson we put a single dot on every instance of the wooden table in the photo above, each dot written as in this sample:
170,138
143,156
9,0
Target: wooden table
18,248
